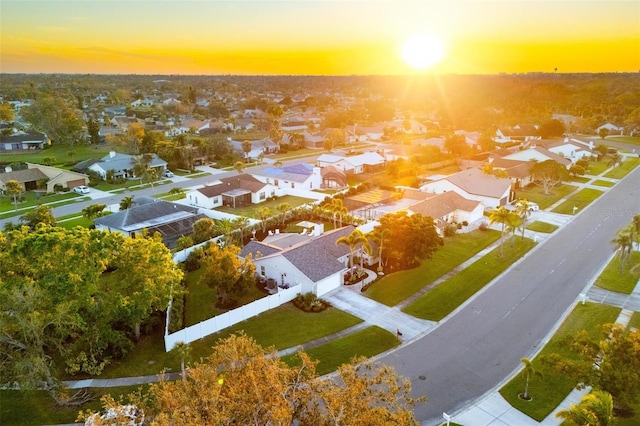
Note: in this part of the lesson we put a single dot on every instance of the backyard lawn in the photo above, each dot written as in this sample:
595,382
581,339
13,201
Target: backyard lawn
447,296
554,388
394,288
611,278
581,199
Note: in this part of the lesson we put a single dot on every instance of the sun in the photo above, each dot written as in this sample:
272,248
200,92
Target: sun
422,51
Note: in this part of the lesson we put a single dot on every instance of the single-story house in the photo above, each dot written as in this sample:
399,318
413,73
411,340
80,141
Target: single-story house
171,220
122,165
235,191
537,153
362,163
449,207
472,184
518,133
565,148
295,176
314,262
258,146
612,128
23,141
518,171
51,176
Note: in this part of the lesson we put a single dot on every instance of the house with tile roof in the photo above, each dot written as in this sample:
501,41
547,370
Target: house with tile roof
314,262
295,176
148,214
472,184
234,191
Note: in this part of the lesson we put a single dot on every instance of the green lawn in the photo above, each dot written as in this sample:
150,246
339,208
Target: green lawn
624,139
579,179
581,199
548,393
394,288
621,171
59,152
77,221
251,211
598,167
605,183
32,199
611,278
368,342
635,321
447,296
535,194
539,226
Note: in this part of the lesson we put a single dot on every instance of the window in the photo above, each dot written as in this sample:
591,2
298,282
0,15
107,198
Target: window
275,182
262,196
263,272
214,200
293,185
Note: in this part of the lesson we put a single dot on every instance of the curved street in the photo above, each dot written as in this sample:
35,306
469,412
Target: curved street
473,351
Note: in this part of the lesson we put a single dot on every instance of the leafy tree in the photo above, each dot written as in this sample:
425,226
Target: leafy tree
93,128
126,202
14,188
333,138
7,113
611,363
410,238
456,145
264,213
551,128
486,142
40,214
549,174
240,223
246,148
225,228
603,133
243,383
204,229
239,166
184,241
487,168
56,117
595,409
577,170
529,372
147,278
225,272
93,211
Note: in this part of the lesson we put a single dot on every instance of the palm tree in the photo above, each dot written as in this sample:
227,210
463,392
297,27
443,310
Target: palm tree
224,227
337,209
277,164
13,187
352,240
378,237
624,243
528,371
487,168
523,210
512,226
264,213
595,409
126,202
240,223
615,160
239,166
503,216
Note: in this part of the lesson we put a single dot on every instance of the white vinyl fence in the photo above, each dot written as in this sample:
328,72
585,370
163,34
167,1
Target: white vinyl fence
217,323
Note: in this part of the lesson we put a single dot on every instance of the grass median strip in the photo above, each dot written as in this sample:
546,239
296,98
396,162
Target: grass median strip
398,286
447,296
613,280
368,342
549,392
539,226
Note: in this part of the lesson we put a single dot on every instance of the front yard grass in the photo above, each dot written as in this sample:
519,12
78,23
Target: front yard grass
621,171
611,279
447,296
605,183
251,211
598,167
539,226
635,321
33,199
549,392
368,342
581,199
394,288
535,194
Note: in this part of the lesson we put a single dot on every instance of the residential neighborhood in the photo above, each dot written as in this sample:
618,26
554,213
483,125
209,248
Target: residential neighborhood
196,211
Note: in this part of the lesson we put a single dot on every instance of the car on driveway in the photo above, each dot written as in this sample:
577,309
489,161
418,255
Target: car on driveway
81,189
533,207
168,174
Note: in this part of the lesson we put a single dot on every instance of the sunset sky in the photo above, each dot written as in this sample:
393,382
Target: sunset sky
320,37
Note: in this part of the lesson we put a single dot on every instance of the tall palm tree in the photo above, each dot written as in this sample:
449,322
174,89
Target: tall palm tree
624,243
378,237
126,202
183,350
264,213
240,223
504,217
224,227
523,210
337,209
284,208
355,238
615,160
528,371
595,409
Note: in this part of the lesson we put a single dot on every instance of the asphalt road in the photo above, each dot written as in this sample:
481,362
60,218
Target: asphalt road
472,352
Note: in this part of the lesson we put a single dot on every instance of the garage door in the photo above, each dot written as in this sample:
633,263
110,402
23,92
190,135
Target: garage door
74,183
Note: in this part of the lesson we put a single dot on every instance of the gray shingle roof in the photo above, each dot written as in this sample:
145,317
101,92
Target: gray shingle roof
145,214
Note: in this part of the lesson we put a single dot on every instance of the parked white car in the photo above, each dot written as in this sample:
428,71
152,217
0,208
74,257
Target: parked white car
533,207
81,189
168,174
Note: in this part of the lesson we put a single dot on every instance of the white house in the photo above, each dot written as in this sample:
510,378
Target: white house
573,151
537,153
472,184
235,191
295,176
314,262
122,165
449,207
612,128
362,163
